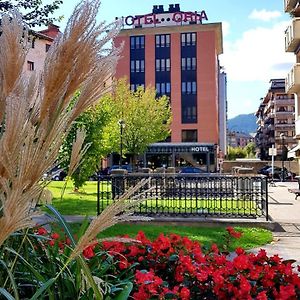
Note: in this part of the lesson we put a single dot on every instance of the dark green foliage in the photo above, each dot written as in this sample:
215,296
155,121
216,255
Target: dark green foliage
34,11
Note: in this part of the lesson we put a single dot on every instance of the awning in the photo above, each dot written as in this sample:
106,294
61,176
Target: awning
292,152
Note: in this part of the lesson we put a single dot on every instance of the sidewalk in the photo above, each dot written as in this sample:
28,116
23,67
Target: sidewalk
284,210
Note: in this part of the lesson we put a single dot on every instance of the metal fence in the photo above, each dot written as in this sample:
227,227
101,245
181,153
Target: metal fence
190,195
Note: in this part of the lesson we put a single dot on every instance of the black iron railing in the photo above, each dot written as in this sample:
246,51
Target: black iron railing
191,195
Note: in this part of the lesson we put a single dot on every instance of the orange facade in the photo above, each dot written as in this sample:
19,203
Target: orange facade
208,47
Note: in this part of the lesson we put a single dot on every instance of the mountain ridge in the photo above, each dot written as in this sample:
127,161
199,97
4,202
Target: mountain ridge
245,123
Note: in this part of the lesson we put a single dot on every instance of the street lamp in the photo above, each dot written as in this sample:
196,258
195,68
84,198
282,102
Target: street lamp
282,137
122,125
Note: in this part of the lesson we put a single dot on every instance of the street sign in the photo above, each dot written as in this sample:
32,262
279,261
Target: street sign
272,151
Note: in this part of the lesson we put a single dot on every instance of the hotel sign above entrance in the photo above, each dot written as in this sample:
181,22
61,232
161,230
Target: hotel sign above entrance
163,19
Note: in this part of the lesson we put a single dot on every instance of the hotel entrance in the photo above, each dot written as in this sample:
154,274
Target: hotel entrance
181,155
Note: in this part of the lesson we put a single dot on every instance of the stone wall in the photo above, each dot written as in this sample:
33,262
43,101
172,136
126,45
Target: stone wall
256,165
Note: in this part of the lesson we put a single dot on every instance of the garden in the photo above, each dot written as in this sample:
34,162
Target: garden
111,256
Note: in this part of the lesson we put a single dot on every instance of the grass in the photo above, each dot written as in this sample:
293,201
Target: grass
84,202
251,238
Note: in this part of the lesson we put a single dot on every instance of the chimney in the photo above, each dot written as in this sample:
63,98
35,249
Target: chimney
177,8
155,9
161,9
171,8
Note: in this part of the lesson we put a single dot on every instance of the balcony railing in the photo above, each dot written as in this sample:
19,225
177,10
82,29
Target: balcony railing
289,5
292,82
292,35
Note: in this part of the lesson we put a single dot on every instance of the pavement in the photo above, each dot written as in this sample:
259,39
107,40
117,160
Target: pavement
284,210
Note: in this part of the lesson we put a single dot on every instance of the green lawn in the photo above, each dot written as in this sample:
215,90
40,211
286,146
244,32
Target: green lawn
84,202
251,238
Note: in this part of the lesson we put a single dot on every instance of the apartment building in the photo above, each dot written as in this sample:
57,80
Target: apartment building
177,53
276,121
40,45
292,82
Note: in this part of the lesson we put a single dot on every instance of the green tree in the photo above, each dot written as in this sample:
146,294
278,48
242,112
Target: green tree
236,152
93,121
250,149
147,119
33,12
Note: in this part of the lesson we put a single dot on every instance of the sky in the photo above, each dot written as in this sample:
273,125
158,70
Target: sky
253,41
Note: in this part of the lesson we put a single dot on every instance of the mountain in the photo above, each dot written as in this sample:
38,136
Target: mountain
243,123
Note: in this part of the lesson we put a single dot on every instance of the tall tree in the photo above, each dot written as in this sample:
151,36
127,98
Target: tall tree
33,12
146,119
93,121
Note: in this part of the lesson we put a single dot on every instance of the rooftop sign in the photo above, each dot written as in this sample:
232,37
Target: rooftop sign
165,19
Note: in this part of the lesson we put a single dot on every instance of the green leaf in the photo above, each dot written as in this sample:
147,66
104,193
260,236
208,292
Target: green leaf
5,293
124,294
84,266
12,279
43,288
37,275
173,257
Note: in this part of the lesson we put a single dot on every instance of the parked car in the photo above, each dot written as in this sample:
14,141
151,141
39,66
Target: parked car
277,173
128,168
56,174
191,170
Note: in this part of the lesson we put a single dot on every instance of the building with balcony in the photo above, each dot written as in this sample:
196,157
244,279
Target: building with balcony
177,53
275,121
292,84
40,45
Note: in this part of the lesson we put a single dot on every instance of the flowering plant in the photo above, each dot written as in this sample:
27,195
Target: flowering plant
174,267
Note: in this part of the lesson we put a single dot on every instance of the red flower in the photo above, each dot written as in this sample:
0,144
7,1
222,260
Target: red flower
184,293
51,243
88,252
42,231
262,296
233,233
55,236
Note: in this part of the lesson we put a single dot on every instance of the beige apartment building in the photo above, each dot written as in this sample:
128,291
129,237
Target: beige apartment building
276,121
40,45
292,83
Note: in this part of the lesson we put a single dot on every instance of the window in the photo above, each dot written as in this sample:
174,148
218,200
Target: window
30,65
137,66
163,88
33,43
137,42
162,65
47,47
189,136
162,40
188,39
188,63
134,87
189,87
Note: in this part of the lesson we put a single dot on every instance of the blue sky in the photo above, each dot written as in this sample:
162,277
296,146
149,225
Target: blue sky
253,39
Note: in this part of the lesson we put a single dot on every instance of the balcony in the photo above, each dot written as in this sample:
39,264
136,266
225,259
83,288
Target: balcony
292,82
292,36
289,5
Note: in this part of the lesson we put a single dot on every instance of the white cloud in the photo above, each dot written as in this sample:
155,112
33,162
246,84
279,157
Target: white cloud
264,15
225,28
258,55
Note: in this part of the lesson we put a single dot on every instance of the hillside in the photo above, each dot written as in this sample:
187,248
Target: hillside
243,123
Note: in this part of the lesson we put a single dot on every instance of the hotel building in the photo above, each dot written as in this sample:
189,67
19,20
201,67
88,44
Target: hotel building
177,53
292,82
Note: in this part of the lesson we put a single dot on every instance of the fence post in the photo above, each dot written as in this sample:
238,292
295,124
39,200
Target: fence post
98,195
267,199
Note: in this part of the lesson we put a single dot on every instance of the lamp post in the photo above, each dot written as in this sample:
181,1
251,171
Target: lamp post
282,137
122,125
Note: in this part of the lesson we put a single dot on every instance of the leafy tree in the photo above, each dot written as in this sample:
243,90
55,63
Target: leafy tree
34,12
147,119
93,121
236,152
250,149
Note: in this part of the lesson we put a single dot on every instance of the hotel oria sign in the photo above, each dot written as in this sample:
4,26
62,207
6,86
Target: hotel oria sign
153,19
